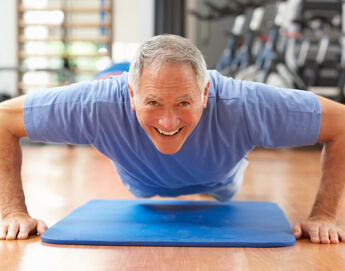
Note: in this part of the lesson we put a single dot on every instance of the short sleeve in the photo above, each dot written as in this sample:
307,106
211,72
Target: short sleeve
69,114
62,115
277,117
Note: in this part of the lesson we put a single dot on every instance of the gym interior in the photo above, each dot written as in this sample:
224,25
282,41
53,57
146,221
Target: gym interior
292,44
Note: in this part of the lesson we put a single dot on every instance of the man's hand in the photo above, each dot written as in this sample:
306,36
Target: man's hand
19,225
319,230
321,227
16,223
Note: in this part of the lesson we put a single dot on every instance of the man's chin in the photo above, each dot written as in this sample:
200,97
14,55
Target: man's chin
167,145
168,150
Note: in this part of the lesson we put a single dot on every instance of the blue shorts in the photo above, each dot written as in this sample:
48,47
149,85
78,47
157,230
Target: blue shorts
223,193
228,191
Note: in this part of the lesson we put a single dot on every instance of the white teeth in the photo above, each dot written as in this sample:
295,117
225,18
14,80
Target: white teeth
166,133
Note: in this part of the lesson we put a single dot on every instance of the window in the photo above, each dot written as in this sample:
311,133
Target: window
62,41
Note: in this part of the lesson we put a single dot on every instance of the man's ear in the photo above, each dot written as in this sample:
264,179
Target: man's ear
131,96
206,94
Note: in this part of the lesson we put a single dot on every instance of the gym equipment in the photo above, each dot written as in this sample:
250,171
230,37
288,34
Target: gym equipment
341,83
320,58
323,68
243,56
232,7
302,57
173,223
314,59
263,64
232,44
216,12
4,97
283,76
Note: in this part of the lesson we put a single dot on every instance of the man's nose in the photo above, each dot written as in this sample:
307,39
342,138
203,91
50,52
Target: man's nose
169,120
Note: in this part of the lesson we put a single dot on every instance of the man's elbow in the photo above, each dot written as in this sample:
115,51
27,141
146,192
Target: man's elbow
332,121
11,117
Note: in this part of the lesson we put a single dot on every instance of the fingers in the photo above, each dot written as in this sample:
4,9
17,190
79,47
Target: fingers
297,231
323,235
20,229
333,236
314,233
41,227
329,235
319,233
341,235
24,231
12,232
3,232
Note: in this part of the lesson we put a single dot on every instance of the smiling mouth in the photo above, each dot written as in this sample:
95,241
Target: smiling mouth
168,133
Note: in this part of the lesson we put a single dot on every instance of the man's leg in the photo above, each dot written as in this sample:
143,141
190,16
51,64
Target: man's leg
136,192
228,191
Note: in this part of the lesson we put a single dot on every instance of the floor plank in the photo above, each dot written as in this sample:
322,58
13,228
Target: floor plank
58,179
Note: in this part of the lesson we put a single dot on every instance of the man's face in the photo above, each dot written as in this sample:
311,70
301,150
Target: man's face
168,105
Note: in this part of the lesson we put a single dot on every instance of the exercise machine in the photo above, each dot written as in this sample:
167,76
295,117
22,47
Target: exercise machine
244,55
232,44
260,70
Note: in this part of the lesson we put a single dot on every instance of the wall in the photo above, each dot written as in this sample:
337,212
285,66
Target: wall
210,37
8,46
133,24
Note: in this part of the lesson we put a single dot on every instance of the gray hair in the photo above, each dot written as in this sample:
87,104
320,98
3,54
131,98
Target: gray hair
168,49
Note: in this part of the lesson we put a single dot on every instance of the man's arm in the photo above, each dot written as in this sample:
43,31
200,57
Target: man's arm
16,223
320,227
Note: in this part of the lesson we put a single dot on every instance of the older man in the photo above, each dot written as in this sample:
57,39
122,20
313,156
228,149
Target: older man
172,128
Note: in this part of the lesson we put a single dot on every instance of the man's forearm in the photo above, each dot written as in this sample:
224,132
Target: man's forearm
332,186
11,129
16,223
321,226
11,191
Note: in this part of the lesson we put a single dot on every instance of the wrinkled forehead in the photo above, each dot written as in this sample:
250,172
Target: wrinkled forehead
156,66
168,74
172,79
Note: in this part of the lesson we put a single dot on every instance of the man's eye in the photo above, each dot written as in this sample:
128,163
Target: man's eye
184,103
153,103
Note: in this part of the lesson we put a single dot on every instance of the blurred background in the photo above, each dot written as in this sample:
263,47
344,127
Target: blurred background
291,44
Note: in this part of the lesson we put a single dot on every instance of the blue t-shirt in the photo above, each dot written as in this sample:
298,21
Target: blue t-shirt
239,116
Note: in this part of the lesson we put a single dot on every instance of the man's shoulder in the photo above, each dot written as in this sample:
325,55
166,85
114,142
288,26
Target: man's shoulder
223,87
114,89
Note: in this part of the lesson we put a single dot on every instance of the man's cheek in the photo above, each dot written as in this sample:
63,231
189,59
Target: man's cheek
145,116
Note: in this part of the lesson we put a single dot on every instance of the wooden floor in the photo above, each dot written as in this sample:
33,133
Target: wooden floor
58,179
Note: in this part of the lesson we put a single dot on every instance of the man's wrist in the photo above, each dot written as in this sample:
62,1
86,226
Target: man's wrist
6,212
326,213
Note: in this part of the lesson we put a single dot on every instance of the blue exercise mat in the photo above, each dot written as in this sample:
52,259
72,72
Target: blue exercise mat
173,223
